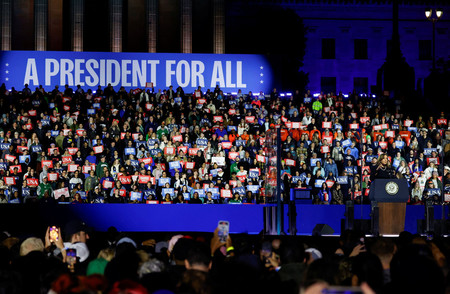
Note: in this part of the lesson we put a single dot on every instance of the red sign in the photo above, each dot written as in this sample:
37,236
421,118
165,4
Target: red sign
226,145
225,193
146,161
125,180
72,168
12,167
52,177
250,119
190,165
32,182
182,148
169,150
107,184
10,181
326,125
66,159
47,163
143,179
98,149
72,151
260,158
364,119
178,138
193,151
233,155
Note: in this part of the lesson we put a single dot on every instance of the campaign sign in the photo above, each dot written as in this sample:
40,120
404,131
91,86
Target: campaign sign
202,142
225,193
174,165
36,148
32,182
4,146
315,160
9,181
149,193
23,158
253,188
343,180
163,181
240,143
135,196
130,151
346,143
239,190
108,184
428,151
201,193
62,192
133,70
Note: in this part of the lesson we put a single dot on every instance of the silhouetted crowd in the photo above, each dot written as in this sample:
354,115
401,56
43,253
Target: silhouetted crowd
114,262
167,146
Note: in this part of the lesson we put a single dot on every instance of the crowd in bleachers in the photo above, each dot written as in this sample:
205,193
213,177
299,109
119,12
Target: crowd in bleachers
167,146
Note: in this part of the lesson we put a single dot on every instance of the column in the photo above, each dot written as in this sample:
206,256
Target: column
6,25
219,26
186,26
77,20
40,24
115,20
55,25
152,24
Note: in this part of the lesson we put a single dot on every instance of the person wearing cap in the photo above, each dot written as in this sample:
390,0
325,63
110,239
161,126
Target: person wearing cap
43,187
99,170
76,233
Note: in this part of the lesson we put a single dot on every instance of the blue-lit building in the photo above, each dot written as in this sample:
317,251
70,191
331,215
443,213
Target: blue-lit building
347,41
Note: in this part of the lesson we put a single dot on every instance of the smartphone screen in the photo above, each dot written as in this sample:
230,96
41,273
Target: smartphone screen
71,258
54,234
224,229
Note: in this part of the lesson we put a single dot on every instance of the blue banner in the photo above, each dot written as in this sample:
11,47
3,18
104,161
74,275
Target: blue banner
134,70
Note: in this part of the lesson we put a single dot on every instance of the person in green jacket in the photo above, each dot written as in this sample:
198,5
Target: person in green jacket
44,186
99,171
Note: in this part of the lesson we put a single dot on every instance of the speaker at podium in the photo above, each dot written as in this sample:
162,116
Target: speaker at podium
391,196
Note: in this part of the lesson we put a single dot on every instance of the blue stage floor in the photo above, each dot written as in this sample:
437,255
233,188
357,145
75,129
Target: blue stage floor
186,217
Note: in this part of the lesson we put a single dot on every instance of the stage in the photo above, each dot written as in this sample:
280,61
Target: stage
187,217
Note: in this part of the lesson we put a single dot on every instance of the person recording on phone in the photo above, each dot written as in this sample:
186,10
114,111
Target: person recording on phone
384,170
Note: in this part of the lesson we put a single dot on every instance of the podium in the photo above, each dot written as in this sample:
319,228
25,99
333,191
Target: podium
391,196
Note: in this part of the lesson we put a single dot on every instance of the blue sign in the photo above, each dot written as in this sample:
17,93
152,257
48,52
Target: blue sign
134,70
239,190
202,142
135,196
240,143
4,146
428,151
342,180
253,188
149,193
163,181
346,143
129,151
174,165
36,148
